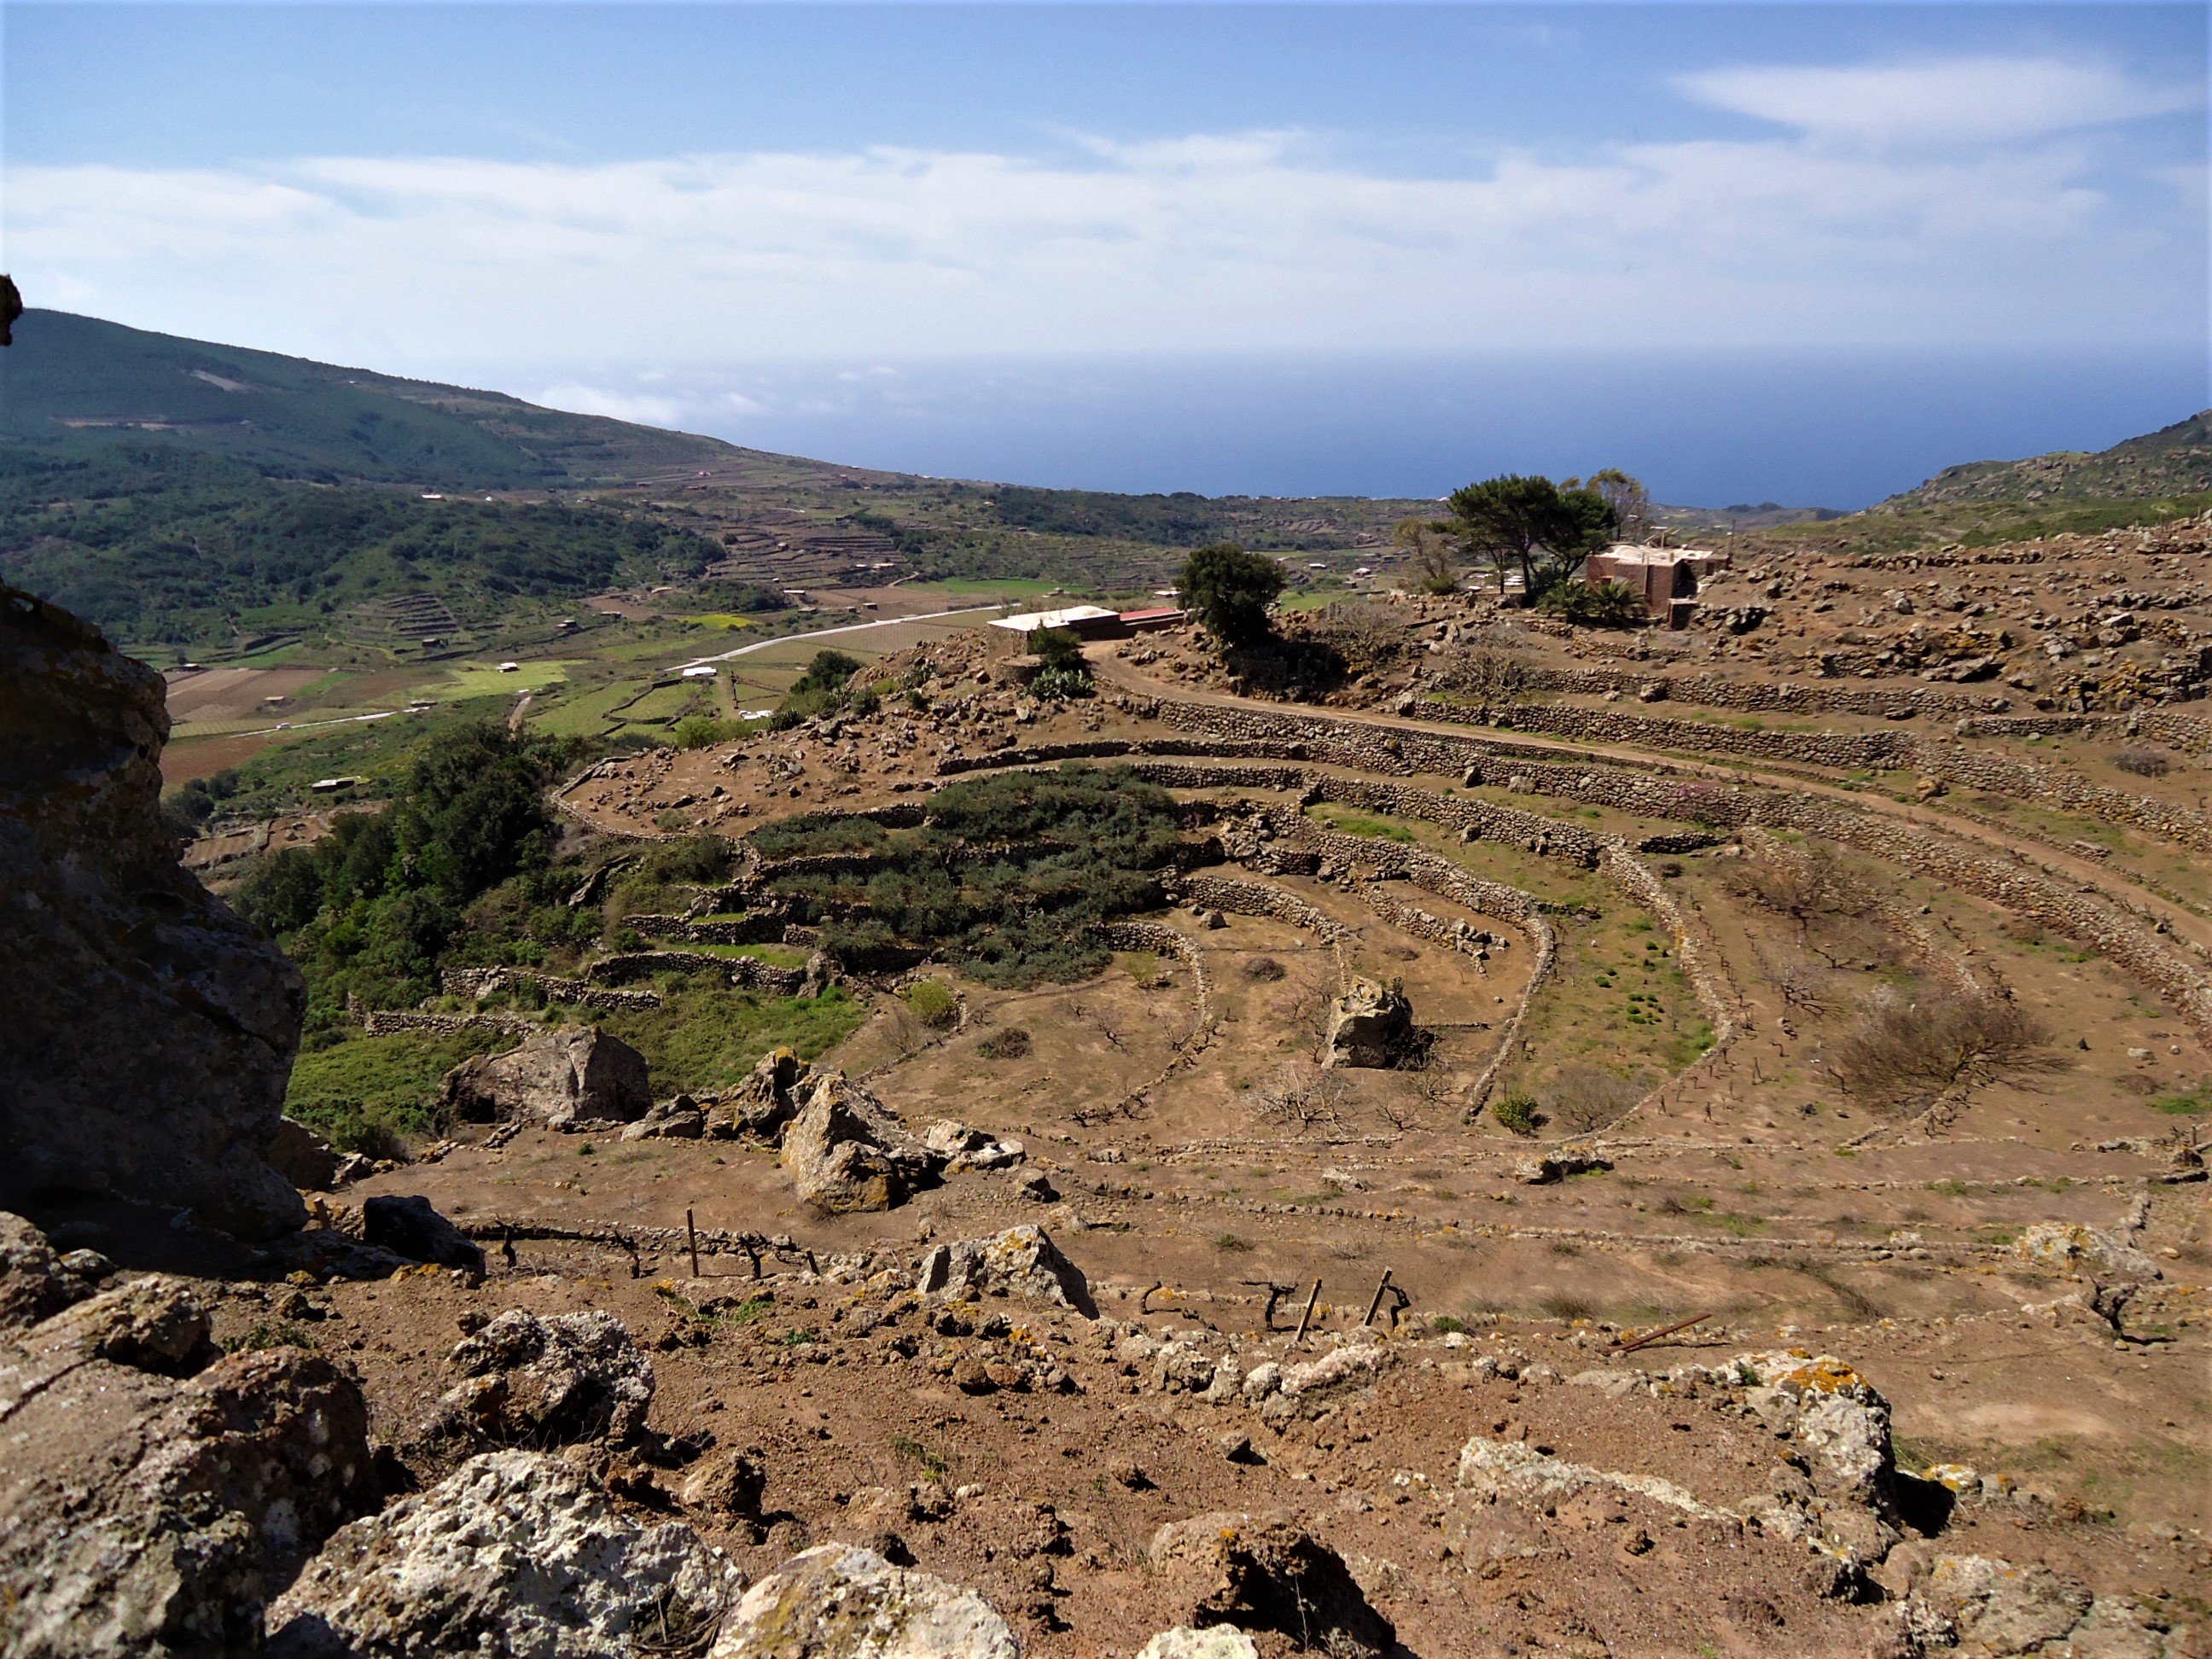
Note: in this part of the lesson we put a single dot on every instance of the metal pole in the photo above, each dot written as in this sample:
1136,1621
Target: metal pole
692,1233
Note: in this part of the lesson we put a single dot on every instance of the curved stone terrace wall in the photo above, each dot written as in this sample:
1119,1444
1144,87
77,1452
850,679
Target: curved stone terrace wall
1940,758
2125,934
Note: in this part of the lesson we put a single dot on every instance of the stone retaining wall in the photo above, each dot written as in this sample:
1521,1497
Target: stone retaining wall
744,972
763,927
388,1022
1942,758
1718,691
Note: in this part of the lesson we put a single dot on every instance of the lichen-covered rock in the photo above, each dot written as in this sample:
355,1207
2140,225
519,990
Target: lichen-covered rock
407,1226
1986,1606
837,1602
1021,1263
1266,1572
145,1515
1370,1025
2069,1245
1845,1503
36,1282
1354,1364
965,1149
516,1553
758,1107
151,1324
575,1074
1216,1642
848,1152
556,1382
149,1053
1514,1470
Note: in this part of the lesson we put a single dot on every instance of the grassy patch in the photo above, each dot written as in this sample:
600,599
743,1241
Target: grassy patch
2189,1105
1353,823
366,1093
708,1037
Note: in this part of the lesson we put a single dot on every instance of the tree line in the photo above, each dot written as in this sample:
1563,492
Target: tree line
1525,526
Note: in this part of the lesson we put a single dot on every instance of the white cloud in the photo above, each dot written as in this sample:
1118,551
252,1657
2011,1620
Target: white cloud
1259,241
1969,99
646,409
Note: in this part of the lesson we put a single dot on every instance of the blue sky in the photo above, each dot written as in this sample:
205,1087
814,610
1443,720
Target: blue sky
858,226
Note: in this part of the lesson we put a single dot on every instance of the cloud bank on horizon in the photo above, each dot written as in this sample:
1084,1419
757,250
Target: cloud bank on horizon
2019,193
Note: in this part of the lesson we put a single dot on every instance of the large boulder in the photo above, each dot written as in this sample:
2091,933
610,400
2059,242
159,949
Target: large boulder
1982,1605
1370,1025
408,1225
145,1514
516,1553
838,1601
148,1054
1266,1573
848,1152
573,1074
553,1381
1022,1262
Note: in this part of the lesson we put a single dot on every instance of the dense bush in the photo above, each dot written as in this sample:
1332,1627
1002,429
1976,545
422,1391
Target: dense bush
1230,591
1596,604
1009,880
461,855
821,689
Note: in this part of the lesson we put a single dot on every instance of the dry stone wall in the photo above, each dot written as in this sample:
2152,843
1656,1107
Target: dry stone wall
2123,933
742,971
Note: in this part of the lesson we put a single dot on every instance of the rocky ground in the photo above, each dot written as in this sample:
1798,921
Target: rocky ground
1151,1322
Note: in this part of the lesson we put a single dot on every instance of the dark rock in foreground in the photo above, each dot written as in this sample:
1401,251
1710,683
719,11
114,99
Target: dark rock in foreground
149,1031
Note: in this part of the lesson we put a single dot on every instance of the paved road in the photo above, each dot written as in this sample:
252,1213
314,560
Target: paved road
845,627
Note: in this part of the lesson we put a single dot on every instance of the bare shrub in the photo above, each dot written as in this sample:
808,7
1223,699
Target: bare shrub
1305,1095
1583,1098
1264,970
1903,1055
1561,1306
1801,982
2144,759
1801,887
1490,676
1369,636
1010,1043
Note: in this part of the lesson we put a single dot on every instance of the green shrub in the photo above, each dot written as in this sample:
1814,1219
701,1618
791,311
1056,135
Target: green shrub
817,833
933,1003
2188,1105
1066,850
1597,604
1518,1113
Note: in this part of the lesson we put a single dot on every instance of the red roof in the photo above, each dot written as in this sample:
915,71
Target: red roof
1152,614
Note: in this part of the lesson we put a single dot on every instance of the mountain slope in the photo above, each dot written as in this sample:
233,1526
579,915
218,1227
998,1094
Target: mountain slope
2175,460
69,383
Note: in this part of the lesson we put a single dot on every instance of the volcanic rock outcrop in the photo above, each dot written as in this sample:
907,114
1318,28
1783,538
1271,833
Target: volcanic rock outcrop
1370,1025
154,1496
573,1075
148,1054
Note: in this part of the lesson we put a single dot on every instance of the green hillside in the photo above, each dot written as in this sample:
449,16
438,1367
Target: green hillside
155,543
73,383
2175,460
